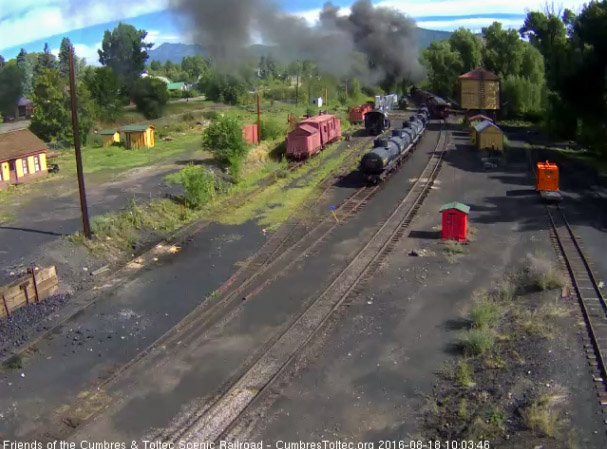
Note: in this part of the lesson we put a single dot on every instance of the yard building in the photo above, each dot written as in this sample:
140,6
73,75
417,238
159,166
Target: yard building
22,157
480,90
488,136
316,102
136,136
110,137
455,221
25,108
475,120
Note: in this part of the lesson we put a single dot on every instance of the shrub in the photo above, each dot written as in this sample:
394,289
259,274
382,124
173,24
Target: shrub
463,374
210,115
272,129
198,184
223,138
485,314
540,273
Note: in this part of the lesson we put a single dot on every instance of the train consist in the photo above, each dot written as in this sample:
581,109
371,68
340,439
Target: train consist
388,152
438,107
312,135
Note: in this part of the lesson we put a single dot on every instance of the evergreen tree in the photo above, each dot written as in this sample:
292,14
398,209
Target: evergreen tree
26,66
46,60
64,57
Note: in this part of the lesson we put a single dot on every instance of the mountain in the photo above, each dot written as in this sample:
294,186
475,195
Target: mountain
176,52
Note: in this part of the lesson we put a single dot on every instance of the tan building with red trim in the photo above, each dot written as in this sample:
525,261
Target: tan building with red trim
22,157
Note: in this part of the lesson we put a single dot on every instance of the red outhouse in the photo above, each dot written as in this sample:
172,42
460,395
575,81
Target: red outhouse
455,221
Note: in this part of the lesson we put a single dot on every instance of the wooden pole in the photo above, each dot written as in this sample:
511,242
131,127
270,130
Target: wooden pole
8,312
83,206
258,121
33,271
327,97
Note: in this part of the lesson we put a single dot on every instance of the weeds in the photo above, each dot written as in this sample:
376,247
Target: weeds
505,291
539,273
199,184
485,314
13,362
452,250
542,417
463,374
477,341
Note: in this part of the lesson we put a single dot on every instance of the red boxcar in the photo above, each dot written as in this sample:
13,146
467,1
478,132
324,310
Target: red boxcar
357,114
312,135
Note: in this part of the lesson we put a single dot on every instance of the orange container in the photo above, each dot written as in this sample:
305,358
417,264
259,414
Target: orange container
547,177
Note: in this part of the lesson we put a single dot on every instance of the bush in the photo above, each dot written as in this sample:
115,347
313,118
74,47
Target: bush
150,96
223,138
477,341
198,184
272,129
485,314
540,273
210,115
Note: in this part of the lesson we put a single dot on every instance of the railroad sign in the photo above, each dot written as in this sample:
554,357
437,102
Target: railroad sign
333,209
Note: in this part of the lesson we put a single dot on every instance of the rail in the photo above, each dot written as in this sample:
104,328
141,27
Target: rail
215,420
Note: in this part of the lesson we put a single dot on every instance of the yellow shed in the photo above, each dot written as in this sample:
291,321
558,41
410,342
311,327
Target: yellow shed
489,136
22,157
475,120
136,136
480,90
110,137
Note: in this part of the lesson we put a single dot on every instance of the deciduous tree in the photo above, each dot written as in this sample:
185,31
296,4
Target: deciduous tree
11,88
150,96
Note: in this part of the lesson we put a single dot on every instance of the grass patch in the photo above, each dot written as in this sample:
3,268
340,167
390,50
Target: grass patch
539,273
504,291
453,250
485,313
542,416
463,374
477,341
13,362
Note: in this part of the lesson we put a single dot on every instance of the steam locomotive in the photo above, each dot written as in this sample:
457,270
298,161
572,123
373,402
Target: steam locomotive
388,152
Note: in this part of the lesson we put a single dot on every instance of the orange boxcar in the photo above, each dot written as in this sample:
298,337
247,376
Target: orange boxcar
547,177
357,114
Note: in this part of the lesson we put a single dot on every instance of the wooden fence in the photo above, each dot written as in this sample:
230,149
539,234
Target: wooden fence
37,285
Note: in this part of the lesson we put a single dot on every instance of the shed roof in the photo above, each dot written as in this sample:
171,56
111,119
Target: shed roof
21,142
135,128
175,86
480,127
480,117
24,102
480,73
455,205
108,132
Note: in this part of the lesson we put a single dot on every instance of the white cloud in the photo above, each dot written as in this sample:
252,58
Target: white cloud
474,24
159,38
50,17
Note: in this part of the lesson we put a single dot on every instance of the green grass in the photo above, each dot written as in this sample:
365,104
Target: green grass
592,159
477,341
485,314
117,158
463,374
542,417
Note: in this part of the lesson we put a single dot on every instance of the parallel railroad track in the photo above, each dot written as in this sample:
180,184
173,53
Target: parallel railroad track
213,421
592,303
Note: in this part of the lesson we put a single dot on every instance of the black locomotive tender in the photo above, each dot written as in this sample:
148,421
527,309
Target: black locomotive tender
391,149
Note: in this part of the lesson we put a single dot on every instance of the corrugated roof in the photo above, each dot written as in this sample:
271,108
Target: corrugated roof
483,125
480,73
307,128
318,118
108,132
21,142
135,128
456,205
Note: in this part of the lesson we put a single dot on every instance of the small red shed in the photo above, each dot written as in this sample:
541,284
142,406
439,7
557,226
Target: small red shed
455,221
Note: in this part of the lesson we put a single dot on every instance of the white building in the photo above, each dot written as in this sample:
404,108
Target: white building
316,102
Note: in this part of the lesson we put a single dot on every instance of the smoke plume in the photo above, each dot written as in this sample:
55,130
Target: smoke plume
370,42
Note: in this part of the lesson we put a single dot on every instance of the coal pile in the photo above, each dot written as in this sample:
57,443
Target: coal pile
27,322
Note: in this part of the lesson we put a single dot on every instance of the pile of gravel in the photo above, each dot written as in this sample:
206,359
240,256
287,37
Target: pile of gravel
27,321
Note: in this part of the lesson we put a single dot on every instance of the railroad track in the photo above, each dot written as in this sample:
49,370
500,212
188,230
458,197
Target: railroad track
583,281
214,420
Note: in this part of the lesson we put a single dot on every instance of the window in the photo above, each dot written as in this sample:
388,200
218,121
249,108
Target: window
24,165
36,163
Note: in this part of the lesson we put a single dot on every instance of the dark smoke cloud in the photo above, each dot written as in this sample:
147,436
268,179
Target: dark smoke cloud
370,42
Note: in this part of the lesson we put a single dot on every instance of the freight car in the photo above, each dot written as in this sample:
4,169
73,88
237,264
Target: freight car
312,135
376,122
357,113
388,154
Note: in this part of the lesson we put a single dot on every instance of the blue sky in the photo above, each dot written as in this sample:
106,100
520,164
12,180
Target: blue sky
30,23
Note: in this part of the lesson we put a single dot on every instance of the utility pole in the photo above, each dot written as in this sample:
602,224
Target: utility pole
83,206
258,122
327,98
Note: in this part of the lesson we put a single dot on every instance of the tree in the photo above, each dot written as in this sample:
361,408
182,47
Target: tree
194,66
1,61
150,96
125,52
11,88
444,65
223,138
503,51
46,60
26,66
86,114
51,119
221,87
64,57
468,46
155,66
104,87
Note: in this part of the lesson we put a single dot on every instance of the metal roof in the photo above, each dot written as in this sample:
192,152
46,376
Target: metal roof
175,86
135,128
21,142
484,125
480,73
319,118
108,132
480,117
456,205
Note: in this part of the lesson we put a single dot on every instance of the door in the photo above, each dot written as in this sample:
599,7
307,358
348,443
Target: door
450,225
12,171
